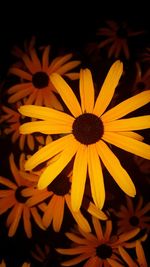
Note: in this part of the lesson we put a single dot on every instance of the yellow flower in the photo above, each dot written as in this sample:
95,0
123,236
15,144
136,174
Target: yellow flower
37,86
100,248
12,199
86,132
140,261
131,216
13,120
116,35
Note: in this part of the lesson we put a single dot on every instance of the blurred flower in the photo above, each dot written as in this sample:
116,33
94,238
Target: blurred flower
12,200
100,248
13,119
117,35
130,216
37,86
140,261
142,164
85,132
27,47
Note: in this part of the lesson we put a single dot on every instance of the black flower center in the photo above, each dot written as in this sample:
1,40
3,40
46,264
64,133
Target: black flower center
88,128
140,85
60,186
122,33
104,251
40,79
19,196
134,220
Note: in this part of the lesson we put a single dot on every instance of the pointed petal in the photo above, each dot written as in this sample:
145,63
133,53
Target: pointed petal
26,221
98,228
137,123
113,263
127,106
108,88
79,177
48,214
128,144
68,66
126,257
45,113
55,168
132,135
96,177
45,127
79,218
21,73
35,59
96,212
15,223
66,93
59,61
48,151
58,213
45,58
37,217
114,167
140,254
86,91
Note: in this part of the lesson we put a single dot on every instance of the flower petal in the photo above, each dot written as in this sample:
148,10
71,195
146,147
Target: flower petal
137,123
58,213
66,93
45,113
21,73
45,127
127,106
79,177
96,176
129,144
114,167
108,88
86,91
55,168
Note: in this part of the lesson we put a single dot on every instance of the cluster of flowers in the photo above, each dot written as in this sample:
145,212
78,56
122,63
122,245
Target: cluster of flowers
65,139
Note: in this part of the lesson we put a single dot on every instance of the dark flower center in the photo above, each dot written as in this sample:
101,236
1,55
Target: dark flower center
40,79
141,85
134,220
104,251
88,128
122,33
60,186
19,196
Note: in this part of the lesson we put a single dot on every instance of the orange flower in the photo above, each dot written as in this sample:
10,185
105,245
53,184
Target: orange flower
130,216
37,86
12,199
98,249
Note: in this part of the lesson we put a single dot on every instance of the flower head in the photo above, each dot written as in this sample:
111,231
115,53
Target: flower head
37,86
12,199
131,216
99,248
116,37
86,132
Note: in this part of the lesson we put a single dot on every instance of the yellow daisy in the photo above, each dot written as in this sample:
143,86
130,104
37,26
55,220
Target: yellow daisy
57,194
37,86
131,216
13,120
25,264
86,131
12,199
141,259
99,248
116,38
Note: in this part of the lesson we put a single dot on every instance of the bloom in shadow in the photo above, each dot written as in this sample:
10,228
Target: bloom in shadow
116,38
12,199
99,248
36,85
